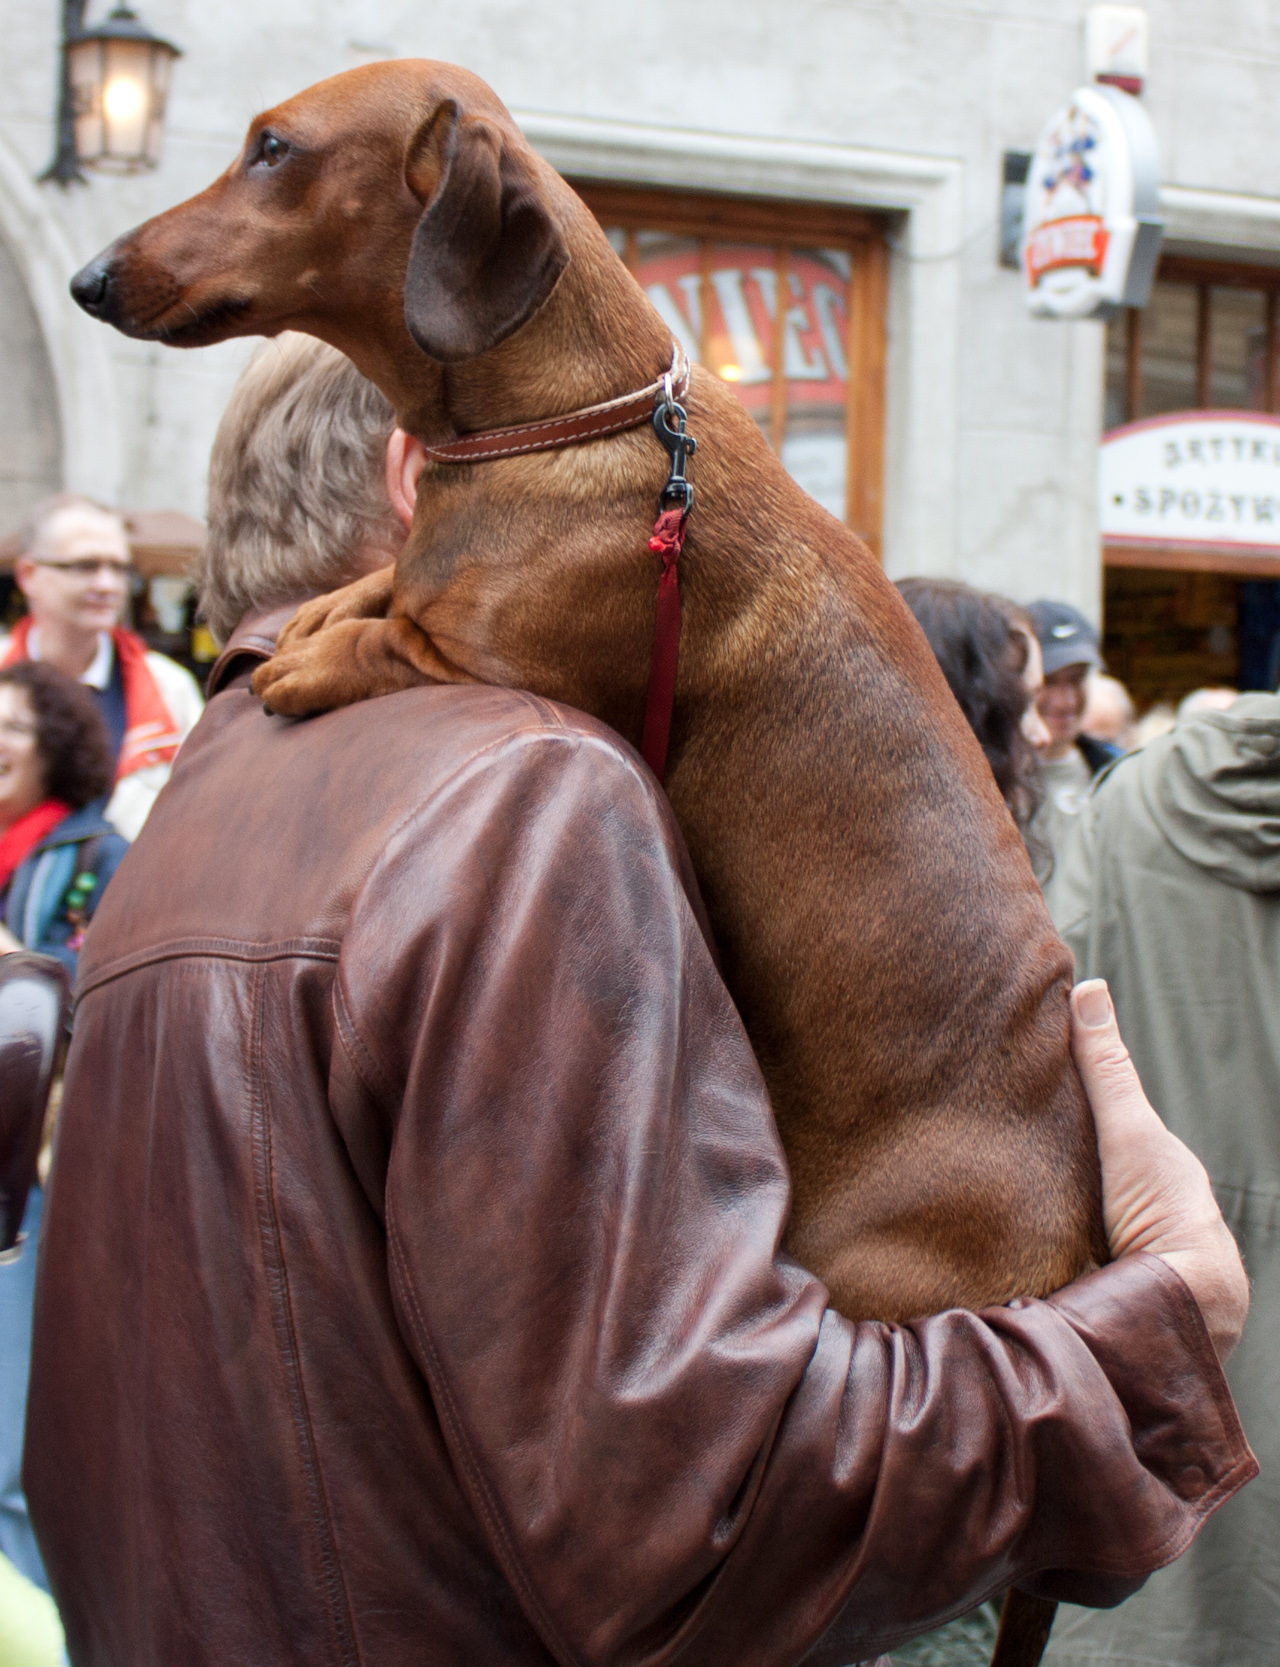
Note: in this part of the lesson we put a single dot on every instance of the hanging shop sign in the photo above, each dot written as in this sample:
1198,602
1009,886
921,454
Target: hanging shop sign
1092,230
1202,479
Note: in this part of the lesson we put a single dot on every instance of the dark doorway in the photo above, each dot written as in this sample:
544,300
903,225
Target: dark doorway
1167,631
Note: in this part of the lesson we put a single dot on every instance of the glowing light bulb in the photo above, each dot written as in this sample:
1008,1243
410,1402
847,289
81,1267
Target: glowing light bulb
122,99
731,373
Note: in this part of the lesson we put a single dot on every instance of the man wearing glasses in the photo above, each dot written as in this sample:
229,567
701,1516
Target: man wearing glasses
74,570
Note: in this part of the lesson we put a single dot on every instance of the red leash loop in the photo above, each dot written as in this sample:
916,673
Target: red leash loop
667,541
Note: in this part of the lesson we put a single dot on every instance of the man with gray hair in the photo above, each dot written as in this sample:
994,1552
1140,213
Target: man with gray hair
410,1290
298,501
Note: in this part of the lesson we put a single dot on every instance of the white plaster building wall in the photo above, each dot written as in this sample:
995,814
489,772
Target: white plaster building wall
993,418
30,438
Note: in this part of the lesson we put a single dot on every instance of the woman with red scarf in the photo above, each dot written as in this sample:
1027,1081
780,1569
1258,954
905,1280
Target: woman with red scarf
57,851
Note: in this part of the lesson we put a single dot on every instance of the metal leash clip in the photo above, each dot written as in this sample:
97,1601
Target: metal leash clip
669,421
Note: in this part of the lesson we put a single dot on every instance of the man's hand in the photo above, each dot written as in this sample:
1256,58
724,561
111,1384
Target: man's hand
1155,1193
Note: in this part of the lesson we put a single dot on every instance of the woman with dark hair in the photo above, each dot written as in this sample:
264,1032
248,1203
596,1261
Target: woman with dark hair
991,659
57,851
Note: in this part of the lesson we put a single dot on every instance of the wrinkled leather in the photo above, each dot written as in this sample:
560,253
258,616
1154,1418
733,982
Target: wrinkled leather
410,1289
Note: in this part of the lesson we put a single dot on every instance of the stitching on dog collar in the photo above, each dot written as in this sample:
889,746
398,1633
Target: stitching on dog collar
593,422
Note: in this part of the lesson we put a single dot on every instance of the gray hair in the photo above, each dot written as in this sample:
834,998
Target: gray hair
297,487
33,529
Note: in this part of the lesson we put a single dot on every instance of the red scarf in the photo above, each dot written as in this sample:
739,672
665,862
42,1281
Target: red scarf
20,838
150,736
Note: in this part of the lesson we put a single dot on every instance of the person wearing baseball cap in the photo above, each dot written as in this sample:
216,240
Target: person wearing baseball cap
1070,649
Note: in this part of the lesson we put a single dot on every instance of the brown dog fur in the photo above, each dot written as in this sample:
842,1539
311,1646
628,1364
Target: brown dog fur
876,915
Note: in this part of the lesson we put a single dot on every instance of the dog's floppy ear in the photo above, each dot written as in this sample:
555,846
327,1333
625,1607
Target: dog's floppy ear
486,253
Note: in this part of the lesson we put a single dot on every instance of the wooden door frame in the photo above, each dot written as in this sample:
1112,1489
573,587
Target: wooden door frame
718,217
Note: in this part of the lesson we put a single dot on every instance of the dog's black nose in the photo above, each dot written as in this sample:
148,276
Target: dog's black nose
91,286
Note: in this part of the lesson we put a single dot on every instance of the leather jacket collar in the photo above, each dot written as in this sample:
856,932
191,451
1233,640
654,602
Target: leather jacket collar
252,642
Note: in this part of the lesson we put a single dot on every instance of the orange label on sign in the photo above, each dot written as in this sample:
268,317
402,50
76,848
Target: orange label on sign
1080,240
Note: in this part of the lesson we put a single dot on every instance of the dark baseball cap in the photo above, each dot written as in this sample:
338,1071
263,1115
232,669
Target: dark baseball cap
1066,636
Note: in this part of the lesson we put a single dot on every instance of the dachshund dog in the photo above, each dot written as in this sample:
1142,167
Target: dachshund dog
872,903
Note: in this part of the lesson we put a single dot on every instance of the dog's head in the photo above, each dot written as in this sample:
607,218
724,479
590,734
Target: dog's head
400,195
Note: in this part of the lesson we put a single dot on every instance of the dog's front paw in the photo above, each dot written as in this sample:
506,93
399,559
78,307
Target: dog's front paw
356,659
297,681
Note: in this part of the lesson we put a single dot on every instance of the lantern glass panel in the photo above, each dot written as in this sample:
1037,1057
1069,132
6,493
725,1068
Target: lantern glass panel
162,59
85,68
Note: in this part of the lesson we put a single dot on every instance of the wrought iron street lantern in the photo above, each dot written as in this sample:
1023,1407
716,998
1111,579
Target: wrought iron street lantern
115,82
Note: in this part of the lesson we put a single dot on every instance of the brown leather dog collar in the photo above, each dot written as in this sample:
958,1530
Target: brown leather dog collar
593,422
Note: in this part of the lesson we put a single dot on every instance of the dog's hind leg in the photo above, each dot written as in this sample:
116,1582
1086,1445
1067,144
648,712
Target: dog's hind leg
350,660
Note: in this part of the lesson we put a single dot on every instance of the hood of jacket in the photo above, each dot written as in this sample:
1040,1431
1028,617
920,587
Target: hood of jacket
1213,788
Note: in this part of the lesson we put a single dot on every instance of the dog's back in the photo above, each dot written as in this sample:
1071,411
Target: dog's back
880,926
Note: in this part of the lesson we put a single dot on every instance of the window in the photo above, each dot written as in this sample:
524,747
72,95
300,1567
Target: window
1177,620
1207,339
786,302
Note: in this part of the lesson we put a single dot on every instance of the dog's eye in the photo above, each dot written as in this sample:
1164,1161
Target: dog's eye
272,150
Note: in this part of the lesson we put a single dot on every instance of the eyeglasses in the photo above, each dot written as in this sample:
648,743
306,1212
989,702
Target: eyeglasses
88,567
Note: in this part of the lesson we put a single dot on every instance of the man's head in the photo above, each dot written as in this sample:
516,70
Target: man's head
74,565
298,500
1069,645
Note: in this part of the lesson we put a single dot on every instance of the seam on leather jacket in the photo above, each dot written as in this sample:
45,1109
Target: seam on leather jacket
480,1490
339,1603
349,1039
553,729
223,949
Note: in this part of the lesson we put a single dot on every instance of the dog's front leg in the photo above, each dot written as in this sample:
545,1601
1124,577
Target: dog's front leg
367,598
350,660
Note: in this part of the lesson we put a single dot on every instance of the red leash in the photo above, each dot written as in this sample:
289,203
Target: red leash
667,541
659,403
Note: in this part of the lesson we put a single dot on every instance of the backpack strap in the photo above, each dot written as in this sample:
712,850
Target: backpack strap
78,903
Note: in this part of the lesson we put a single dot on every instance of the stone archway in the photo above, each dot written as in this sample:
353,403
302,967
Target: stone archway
81,381
30,430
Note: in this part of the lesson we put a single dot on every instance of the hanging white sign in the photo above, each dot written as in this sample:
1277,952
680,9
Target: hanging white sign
1092,227
1199,478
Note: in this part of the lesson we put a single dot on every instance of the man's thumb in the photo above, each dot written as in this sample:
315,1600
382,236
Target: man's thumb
1108,1074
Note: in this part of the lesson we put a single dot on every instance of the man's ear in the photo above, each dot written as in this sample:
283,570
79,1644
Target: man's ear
486,253
406,460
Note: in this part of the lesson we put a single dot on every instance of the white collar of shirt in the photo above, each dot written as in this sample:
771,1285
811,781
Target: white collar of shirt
98,675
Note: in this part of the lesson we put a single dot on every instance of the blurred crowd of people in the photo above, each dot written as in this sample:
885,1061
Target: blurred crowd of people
90,723
1155,840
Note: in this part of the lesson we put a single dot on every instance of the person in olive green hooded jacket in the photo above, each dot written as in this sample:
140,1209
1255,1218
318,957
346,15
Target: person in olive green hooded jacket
1169,888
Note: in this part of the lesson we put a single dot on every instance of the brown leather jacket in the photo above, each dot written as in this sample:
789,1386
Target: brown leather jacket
410,1289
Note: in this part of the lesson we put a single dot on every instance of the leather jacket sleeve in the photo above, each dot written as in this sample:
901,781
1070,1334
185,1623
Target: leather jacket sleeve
677,1450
